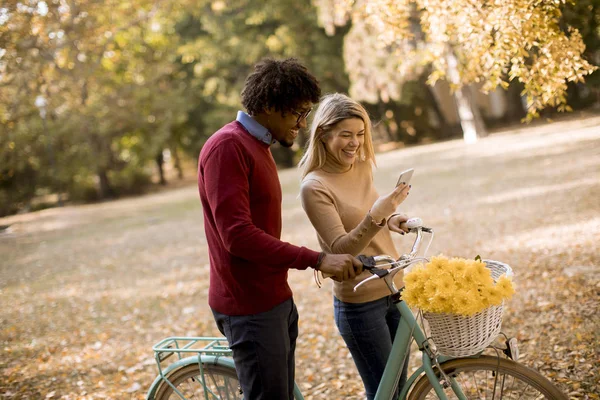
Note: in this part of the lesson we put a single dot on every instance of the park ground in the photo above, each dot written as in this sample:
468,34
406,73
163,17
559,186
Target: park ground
87,290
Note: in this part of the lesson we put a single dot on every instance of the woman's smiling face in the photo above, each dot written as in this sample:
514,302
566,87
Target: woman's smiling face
345,140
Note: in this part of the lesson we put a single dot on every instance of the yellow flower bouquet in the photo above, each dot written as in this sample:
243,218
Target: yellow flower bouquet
462,300
455,286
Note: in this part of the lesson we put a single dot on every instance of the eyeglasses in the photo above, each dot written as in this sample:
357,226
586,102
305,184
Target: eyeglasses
301,115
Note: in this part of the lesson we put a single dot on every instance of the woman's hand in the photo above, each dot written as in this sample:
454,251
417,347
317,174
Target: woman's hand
397,223
386,205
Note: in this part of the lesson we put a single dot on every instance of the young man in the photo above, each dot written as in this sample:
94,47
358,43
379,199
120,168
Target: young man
241,198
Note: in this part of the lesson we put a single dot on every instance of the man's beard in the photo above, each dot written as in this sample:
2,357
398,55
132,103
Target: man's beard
285,143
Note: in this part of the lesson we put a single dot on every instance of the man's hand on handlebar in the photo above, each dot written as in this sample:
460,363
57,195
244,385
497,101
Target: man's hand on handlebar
340,267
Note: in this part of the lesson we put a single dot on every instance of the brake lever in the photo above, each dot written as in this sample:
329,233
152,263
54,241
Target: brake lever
379,273
371,278
370,264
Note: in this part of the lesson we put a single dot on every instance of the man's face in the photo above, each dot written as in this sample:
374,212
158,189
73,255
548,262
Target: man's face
285,127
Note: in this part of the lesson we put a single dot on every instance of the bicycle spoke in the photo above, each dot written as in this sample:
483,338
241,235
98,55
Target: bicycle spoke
220,383
490,379
212,377
488,385
475,384
501,388
462,381
187,389
191,389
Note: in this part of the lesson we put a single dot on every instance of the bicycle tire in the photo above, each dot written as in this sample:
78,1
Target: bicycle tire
221,383
503,378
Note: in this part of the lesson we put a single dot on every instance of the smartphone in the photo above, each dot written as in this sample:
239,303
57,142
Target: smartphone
405,176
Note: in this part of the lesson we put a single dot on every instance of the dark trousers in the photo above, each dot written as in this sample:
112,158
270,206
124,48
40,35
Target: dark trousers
263,350
369,330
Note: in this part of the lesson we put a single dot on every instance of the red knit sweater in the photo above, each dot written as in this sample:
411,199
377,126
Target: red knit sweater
241,198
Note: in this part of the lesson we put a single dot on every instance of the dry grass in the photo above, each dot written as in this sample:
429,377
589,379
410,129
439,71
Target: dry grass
87,290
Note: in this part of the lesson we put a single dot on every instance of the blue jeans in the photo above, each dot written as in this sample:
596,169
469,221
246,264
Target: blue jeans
369,330
263,348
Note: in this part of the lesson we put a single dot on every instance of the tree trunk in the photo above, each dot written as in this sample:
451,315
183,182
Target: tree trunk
283,156
287,159
515,110
160,162
177,162
445,130
468,113
477,118
105,189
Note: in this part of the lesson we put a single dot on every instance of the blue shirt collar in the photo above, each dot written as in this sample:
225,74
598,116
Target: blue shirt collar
254,128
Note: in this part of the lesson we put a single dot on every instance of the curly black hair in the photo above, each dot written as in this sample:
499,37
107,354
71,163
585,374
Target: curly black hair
281,84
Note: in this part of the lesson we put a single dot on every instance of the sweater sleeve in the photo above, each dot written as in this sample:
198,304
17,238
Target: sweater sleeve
225,174
324,216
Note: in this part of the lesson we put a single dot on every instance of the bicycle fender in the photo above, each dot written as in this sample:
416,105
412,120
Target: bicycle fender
205,359
409,382
417,374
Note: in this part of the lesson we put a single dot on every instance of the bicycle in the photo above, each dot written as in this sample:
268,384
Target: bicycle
210,372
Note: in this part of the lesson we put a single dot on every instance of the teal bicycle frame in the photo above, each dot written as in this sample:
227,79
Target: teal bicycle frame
407,330
216,351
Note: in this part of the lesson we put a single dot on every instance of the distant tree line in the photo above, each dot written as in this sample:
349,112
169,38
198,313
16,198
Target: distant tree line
94,94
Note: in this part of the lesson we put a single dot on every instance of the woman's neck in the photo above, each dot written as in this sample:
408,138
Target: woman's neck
334,166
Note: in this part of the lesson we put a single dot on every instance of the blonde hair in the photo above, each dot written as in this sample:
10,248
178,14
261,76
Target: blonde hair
333,109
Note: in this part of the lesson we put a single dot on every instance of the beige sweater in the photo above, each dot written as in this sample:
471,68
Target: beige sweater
337,204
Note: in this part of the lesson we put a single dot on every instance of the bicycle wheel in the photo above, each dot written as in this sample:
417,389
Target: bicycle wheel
490,378
221,384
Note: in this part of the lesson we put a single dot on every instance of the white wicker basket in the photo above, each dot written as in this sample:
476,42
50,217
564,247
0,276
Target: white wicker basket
461,336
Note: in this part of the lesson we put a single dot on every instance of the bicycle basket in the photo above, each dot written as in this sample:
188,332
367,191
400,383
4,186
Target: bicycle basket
462,336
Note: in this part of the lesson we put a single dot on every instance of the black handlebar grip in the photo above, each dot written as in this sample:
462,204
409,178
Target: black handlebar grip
368,262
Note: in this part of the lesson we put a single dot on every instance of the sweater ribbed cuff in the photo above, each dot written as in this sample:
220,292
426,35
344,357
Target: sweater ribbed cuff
378,223
319,261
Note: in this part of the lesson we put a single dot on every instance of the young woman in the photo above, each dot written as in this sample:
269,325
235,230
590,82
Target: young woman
349,216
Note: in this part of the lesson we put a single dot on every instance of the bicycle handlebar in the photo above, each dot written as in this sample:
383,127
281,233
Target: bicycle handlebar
414,225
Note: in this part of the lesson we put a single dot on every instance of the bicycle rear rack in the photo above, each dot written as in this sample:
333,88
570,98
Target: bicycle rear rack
215,346
191,346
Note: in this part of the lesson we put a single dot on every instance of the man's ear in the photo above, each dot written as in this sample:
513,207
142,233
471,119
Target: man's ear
269,111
